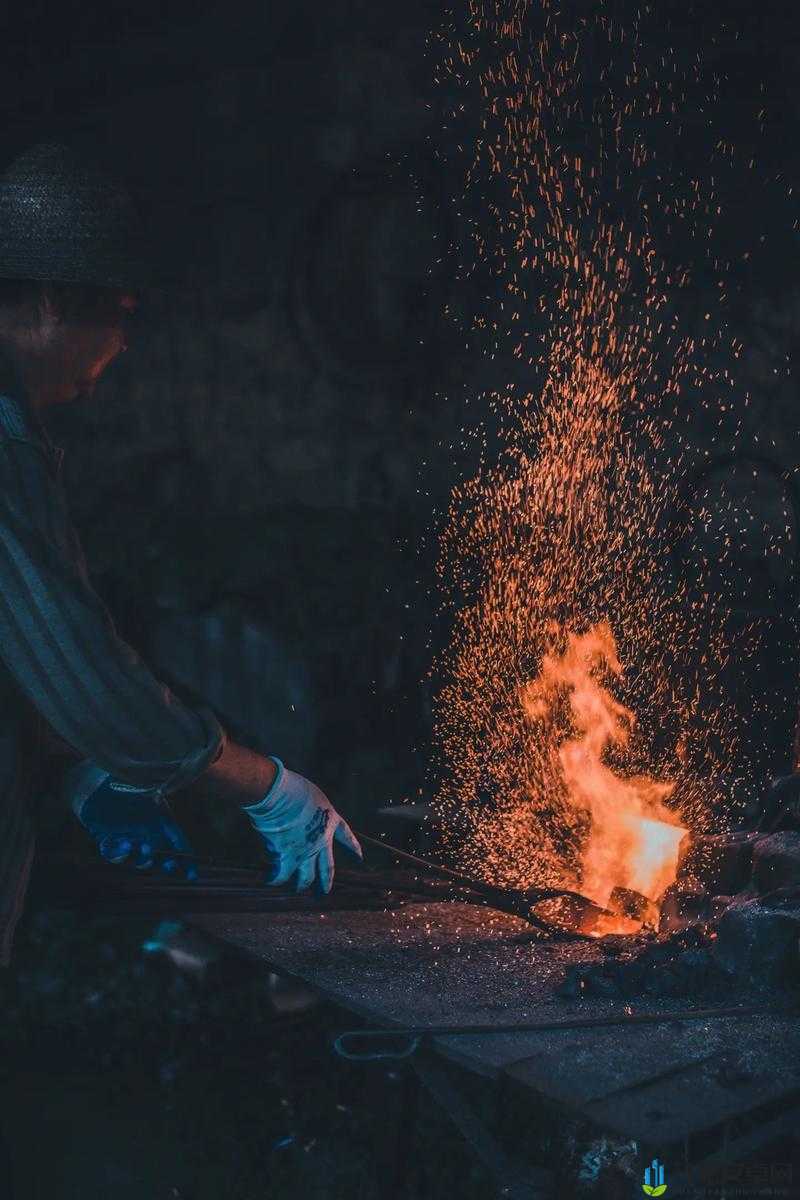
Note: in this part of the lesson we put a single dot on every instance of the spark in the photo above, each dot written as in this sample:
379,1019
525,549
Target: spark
558,537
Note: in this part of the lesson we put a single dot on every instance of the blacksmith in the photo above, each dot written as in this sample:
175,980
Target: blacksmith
73,267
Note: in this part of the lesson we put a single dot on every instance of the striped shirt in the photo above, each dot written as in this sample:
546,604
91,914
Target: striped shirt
63,667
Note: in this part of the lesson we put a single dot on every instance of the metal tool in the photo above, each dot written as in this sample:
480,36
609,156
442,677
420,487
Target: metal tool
413,1035
233,884
516,902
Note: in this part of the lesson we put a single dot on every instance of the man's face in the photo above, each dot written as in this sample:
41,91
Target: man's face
92,339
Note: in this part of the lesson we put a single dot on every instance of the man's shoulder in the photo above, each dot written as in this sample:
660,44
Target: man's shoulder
19,433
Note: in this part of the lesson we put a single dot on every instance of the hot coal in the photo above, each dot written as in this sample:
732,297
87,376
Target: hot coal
731,919
629,903
680,908
682,965
572,912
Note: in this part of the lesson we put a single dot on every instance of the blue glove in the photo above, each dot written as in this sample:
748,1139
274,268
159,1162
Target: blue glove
129,824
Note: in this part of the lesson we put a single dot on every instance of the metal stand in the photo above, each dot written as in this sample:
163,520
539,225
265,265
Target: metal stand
514,1180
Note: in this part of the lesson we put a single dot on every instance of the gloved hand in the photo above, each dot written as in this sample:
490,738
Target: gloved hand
299,825
128,824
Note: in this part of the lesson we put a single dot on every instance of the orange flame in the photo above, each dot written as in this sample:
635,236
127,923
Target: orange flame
633,837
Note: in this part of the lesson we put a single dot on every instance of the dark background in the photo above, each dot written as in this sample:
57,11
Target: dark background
250,482
255,483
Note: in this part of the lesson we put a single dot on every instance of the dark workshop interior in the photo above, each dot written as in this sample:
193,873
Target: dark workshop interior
454,460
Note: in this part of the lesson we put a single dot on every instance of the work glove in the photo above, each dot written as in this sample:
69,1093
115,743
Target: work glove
299,826
129,824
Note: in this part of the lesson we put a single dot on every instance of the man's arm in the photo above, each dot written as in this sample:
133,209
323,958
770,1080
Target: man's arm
59,643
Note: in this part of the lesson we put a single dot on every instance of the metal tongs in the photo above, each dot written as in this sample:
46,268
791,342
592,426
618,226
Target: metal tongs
517,902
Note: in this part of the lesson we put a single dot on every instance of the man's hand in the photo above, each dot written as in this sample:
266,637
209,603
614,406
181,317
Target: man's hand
128,824
299,825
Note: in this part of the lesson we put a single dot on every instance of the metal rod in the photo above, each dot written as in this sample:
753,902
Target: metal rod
516,903
576,1023
415,1035
688,1014
522,899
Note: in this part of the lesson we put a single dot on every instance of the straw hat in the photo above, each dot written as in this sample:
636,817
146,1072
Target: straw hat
63,218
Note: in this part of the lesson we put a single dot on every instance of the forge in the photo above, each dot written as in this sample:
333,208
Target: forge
702,913
673,889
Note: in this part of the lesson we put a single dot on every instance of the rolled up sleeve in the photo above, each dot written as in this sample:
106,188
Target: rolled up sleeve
59,643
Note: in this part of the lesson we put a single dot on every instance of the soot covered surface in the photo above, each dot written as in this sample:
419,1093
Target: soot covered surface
450,963
420,964
453,963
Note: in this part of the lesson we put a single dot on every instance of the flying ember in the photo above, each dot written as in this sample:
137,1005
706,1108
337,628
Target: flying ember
554,765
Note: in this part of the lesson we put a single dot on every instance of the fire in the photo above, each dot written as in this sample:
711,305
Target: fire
633,837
